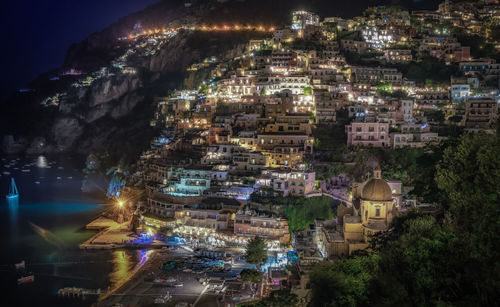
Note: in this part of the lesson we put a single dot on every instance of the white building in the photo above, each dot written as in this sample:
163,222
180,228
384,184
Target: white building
460,91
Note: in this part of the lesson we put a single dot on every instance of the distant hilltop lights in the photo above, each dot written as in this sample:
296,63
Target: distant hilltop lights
207,28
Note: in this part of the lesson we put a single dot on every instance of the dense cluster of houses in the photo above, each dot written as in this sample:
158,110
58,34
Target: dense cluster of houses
249,127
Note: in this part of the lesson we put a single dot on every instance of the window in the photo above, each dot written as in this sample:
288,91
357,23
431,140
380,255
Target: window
377,211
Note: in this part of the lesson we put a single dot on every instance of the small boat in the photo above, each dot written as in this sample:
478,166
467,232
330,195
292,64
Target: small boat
60,167
21,265
58,178
6,173
13,192
37,182
26,279
25,170
70,177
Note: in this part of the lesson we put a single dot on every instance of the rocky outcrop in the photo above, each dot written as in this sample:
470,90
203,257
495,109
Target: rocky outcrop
65,131
89,117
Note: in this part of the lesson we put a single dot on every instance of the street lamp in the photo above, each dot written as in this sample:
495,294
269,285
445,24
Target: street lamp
120,203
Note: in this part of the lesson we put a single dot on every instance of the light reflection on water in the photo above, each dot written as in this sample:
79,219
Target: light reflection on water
13,204
52,209
41,162
125,262
122,264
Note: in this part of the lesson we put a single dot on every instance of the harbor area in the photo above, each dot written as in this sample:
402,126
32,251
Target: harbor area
112,234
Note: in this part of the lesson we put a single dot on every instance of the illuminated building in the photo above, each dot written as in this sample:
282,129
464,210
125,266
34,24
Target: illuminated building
480,114
368,133
250,224
302,18
296,183
374,207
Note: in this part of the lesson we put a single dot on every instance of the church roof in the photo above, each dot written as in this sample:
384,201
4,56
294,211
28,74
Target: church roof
376,188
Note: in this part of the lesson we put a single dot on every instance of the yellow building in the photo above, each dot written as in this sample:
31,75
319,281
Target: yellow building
371,212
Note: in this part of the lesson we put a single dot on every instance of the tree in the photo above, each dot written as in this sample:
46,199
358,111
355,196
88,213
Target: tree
256,251
343,283
418,263
470,176
251,275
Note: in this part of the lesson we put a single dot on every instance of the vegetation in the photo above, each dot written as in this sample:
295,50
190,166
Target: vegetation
256,252
251,275
429,68
385,90
479,48
450,259
300,211
343,283
330,139
304,211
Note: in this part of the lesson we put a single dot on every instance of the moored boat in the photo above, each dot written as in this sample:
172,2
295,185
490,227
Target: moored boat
13,192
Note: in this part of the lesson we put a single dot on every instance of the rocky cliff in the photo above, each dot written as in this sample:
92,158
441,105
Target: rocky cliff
115,107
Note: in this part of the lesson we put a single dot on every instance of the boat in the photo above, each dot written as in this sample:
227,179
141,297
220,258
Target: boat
13,192
26,279
37,182
25,170
6,173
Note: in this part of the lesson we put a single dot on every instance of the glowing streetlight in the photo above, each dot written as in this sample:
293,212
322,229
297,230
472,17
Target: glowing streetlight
120,203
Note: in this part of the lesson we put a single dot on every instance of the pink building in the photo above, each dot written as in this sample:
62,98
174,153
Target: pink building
370,134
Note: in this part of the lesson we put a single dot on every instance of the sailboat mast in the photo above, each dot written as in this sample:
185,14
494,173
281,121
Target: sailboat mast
13,187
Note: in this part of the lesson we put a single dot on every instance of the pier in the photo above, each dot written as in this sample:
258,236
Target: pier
113,235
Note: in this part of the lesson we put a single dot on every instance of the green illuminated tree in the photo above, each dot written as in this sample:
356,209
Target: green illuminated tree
256,251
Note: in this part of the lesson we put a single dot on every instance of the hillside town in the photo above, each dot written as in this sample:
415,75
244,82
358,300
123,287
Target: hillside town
264,129
289,156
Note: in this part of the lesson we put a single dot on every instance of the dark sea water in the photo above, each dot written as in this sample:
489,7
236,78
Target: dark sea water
45,227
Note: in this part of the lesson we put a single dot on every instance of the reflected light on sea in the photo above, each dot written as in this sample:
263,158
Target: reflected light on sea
13,217
41,162
121,267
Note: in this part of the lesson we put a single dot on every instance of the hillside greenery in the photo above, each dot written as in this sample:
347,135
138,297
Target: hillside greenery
446,259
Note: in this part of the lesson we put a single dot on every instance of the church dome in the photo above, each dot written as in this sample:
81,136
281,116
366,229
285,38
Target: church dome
376,188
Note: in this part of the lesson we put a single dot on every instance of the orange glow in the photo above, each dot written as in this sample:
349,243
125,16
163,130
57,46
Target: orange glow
236,27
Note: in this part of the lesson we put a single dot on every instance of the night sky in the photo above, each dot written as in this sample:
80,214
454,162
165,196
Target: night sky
36,34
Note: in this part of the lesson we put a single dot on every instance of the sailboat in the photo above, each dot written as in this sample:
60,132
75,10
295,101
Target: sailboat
13,192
